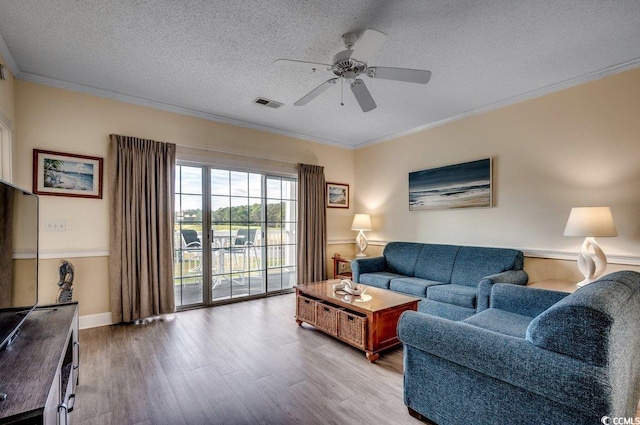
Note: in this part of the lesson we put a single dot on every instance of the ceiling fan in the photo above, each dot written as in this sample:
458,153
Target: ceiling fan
351,63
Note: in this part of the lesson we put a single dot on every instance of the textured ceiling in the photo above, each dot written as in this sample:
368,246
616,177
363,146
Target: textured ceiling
213,58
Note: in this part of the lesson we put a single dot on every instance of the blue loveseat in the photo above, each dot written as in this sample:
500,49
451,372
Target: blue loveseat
534,357
453,281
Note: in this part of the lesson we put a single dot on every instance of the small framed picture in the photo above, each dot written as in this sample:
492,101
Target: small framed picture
66,174
337,195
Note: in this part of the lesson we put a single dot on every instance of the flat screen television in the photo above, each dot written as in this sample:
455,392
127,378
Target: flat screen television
18,259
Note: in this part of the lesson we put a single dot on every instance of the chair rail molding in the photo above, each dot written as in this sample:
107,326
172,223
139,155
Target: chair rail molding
52,254
624,259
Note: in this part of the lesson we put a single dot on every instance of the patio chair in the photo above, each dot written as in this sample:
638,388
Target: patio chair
190,239
191,250
244,244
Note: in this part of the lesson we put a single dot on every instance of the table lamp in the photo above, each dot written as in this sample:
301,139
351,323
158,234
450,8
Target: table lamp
361,222
591,222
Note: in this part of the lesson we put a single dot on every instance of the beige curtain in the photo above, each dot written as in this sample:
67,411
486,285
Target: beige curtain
312,224
141,183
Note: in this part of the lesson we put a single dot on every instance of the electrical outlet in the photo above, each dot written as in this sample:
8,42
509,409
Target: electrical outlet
55,226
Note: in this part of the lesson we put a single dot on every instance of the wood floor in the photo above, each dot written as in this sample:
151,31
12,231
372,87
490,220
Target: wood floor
243,363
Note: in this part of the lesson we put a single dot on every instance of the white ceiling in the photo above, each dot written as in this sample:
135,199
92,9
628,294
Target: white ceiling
212,58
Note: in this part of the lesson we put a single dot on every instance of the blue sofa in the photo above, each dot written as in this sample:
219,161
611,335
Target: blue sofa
534,357
453,281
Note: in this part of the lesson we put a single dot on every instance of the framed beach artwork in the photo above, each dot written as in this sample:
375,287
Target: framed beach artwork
466,185
337,195
65,174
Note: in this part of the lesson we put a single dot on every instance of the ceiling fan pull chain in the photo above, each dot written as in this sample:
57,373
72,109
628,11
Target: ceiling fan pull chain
341,92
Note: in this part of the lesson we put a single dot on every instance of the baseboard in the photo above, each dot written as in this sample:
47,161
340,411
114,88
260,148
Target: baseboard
95,320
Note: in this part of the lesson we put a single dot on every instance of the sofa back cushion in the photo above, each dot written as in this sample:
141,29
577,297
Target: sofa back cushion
590,322
473,263
435,262
401,257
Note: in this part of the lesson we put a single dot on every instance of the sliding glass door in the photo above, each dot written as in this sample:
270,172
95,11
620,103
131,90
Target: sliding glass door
238,240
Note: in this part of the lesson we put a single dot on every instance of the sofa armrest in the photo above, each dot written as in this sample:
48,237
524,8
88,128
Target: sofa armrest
367,265
513,360
524,300
515,277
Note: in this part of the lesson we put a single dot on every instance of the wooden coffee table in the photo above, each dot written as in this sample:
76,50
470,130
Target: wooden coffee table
367,322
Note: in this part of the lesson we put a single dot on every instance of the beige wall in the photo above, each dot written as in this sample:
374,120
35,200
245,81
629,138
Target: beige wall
576,147
90,283
66,121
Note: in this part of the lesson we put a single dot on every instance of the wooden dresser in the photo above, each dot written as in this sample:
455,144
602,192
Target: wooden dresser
39,370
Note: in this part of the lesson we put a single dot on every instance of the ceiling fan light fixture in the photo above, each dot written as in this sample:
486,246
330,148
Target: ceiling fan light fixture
351,63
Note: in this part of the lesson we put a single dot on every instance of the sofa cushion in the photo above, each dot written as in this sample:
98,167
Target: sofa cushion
501,321
473,263
379,279
412,285
435,262
444,310
463,296
401,257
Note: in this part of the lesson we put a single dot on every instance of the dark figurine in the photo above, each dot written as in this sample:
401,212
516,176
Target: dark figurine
65,293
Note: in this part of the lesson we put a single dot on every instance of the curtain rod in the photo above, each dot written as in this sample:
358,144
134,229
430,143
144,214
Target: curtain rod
235,153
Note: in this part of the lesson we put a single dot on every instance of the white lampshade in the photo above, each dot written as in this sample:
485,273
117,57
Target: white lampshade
361,222
590,221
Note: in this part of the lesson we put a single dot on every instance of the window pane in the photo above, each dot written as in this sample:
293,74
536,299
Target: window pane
190,180
220,182
274,279
255,210
289,189
220,209
239,184
191,210
288,277
274,213
274,190
255,185
289,214
239,210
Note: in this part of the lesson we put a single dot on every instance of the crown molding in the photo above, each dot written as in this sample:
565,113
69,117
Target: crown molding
8,57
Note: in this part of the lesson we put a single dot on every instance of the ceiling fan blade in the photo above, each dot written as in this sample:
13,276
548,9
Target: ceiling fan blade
311,66
316,92
363,96
419,76
368,45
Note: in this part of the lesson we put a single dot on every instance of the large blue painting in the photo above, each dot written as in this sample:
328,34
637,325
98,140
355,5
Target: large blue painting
466,185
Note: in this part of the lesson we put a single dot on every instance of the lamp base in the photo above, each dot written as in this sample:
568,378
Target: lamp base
592,261
585,282
361,241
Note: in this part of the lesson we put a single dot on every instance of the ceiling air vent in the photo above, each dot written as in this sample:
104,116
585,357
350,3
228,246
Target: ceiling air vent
266,102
